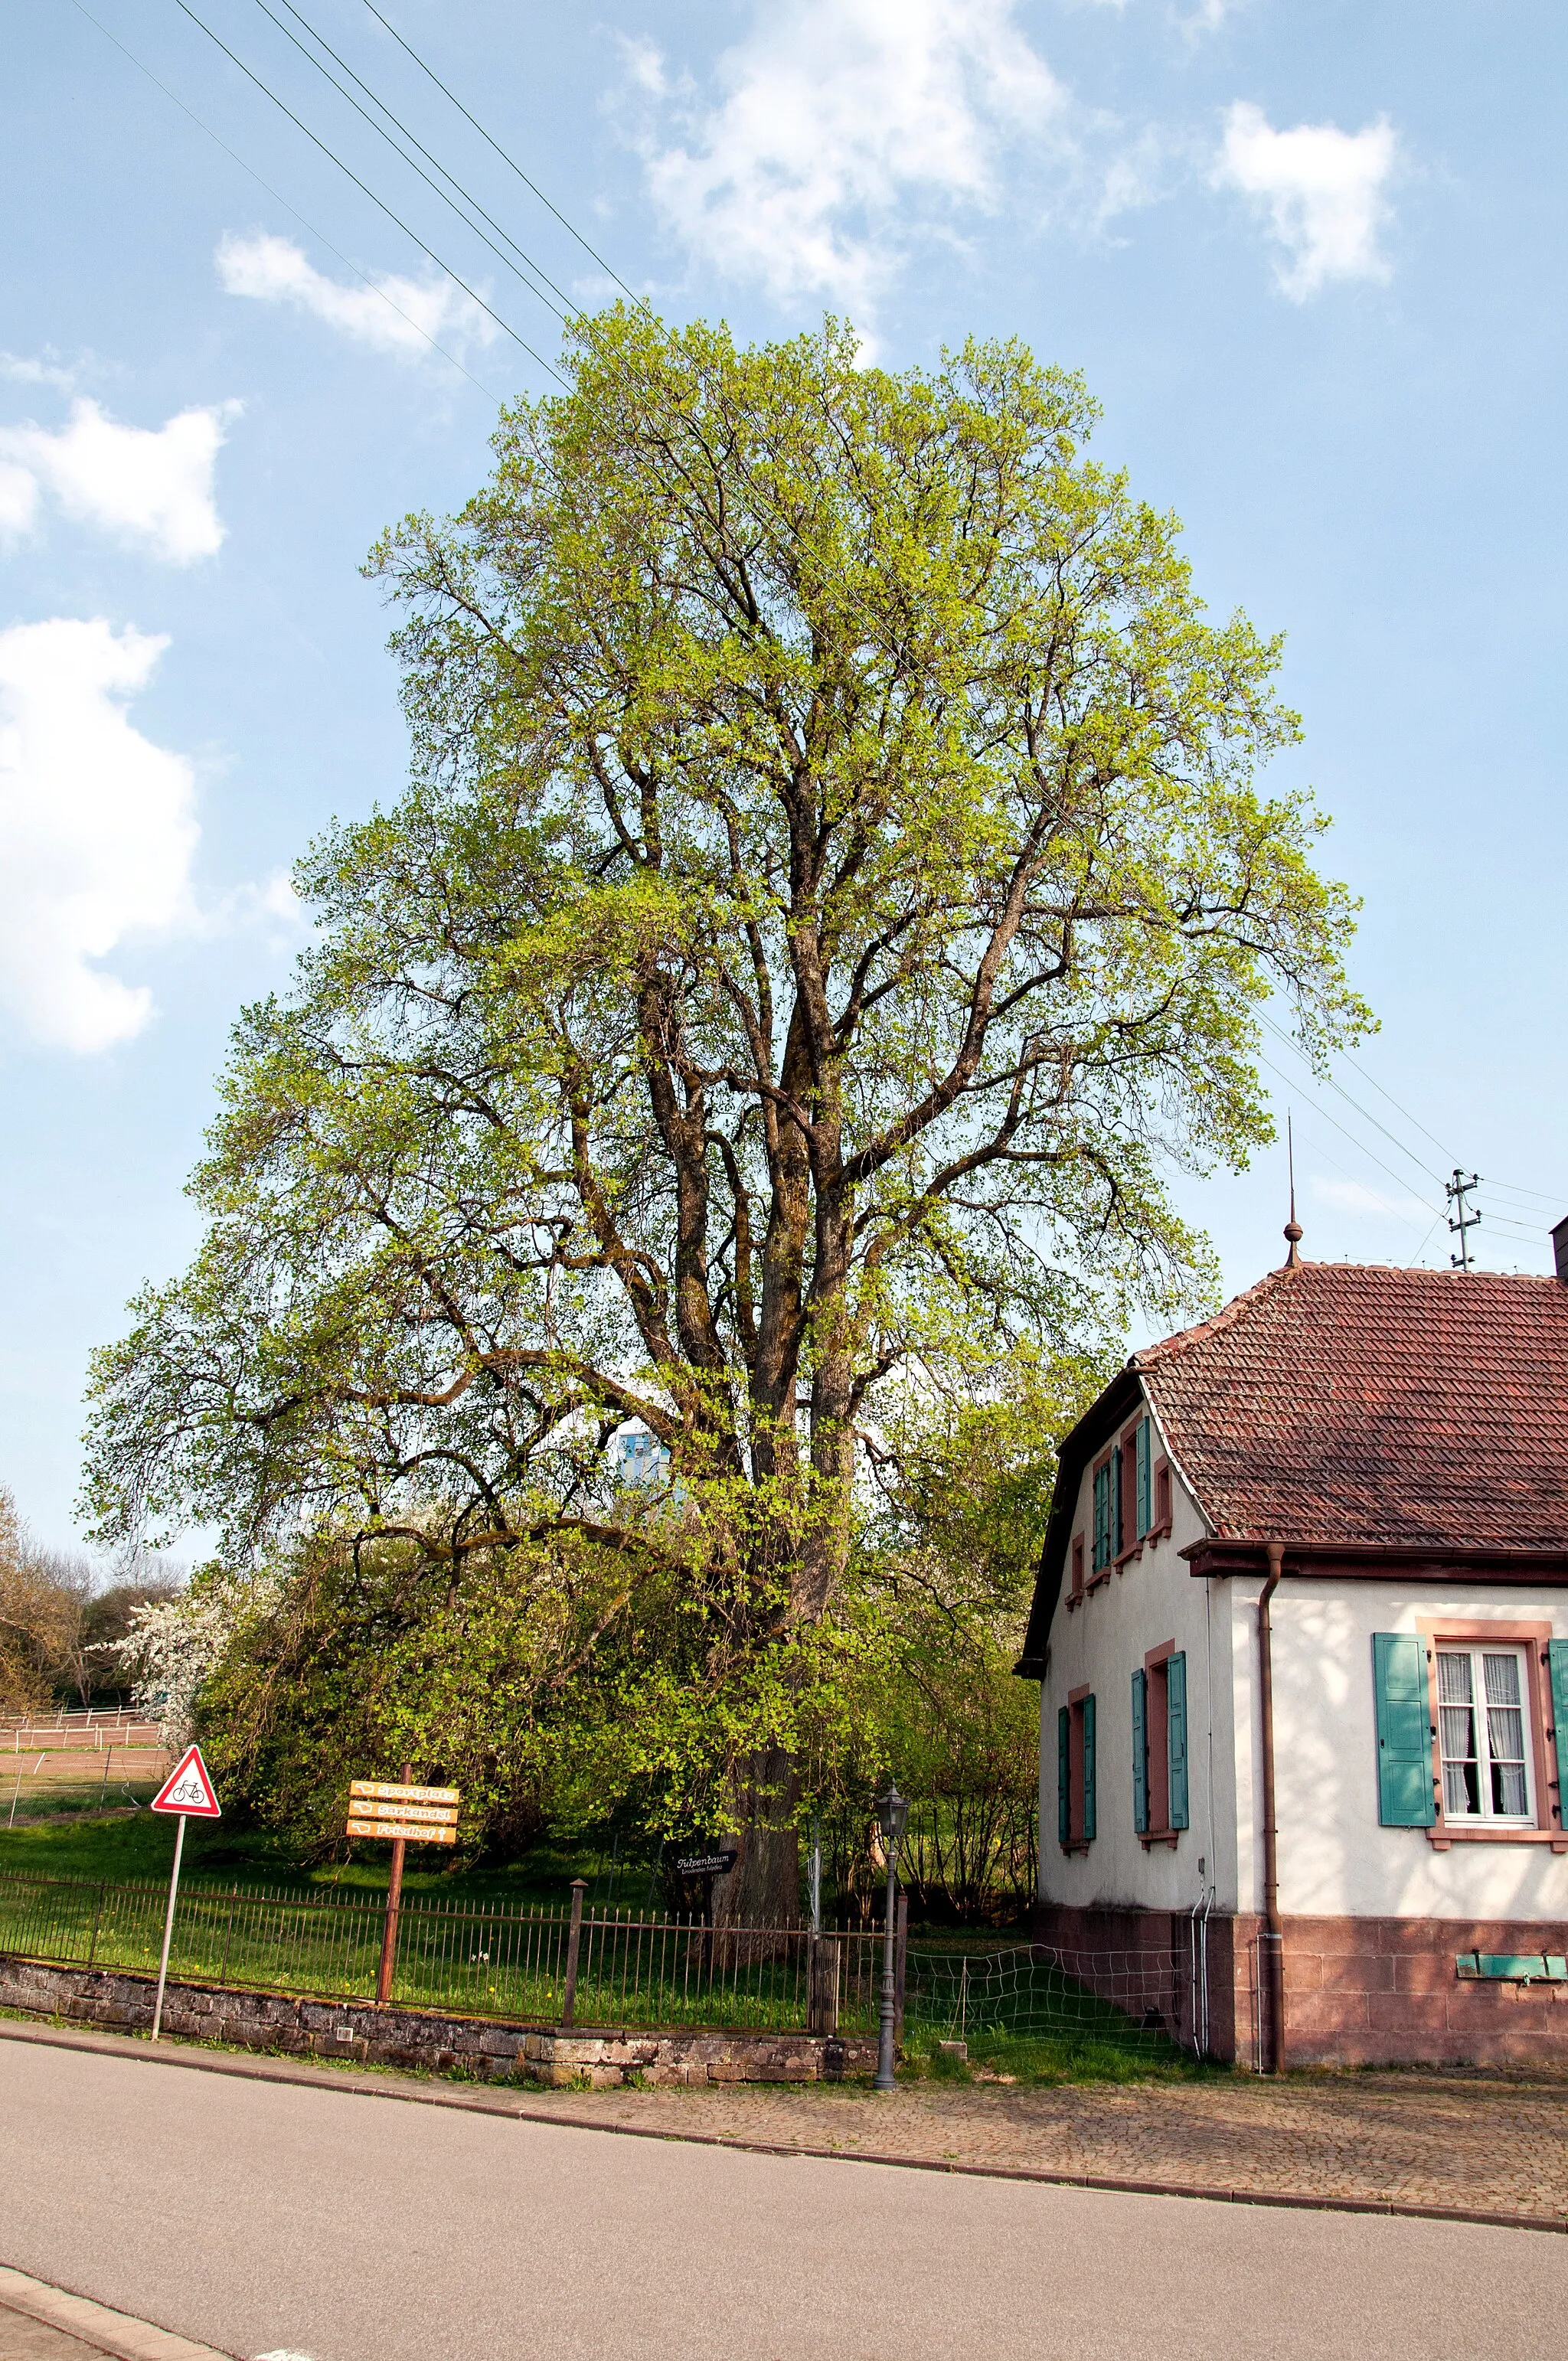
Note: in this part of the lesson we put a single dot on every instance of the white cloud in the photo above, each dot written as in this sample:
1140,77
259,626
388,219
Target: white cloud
97,832
23,369
1322,191
147,486
391,314
18,500
836,123
1354,1197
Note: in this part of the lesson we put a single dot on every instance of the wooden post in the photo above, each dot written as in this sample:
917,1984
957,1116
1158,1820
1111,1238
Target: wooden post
574,1941
822,2012
394,1907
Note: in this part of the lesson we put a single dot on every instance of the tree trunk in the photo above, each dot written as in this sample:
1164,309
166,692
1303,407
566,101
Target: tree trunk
763,1888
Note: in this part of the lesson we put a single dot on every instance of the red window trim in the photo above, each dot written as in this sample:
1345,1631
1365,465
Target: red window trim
1547,1756
1077,1841
1155,1661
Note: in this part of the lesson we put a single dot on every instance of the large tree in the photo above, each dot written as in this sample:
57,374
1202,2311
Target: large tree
832,891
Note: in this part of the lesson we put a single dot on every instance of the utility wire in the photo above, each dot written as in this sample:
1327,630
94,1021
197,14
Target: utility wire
1291,1085
185,9
509,161
131,58
1280,1035
532,271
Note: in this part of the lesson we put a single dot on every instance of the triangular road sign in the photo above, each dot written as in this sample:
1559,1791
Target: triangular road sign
189,1789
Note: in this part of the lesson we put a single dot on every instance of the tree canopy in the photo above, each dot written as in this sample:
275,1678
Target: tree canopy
831,893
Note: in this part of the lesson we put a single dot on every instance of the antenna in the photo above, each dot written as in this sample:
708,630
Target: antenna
1292,1227
1456,1191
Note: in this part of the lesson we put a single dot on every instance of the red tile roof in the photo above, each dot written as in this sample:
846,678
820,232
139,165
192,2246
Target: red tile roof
1342,1402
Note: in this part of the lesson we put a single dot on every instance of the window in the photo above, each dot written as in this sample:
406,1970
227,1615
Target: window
1162,1497
1143,1457
1076,1814
1102,1550
1159,1746
1483,1734
1472,1732
1077,1566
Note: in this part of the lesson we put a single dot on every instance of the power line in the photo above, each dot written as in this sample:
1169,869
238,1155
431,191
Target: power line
1348,1134
131,58
1367,1116
185,9
509,161
533,270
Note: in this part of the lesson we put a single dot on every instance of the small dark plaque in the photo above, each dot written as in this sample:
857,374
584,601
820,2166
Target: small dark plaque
707,1864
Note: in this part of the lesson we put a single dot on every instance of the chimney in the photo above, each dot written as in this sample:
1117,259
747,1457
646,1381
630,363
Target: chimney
1560,1249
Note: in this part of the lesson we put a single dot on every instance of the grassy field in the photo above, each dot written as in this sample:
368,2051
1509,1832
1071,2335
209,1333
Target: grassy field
133,1847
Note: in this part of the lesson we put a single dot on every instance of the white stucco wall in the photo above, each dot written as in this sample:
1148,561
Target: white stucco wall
1100,1644
1335,1858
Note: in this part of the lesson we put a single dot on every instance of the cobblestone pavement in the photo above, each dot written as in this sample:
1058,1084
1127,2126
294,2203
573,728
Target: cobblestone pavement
1485,2147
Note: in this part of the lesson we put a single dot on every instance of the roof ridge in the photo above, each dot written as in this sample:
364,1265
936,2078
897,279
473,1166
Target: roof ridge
1183,1339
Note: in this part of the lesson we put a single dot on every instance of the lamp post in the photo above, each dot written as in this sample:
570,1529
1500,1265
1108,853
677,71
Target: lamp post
892,1811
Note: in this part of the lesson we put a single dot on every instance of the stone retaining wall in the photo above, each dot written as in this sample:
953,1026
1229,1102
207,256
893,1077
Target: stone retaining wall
358,2030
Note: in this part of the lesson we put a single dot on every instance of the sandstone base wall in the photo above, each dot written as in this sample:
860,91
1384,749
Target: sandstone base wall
1358,1992
358,2030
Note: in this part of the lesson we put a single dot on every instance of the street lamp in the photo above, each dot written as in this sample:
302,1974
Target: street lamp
892,1811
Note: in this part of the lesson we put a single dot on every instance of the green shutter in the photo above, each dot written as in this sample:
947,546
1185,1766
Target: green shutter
1558,1652
1088,1770
1404,1731
1102,1517
1140,1752
1064,1776
1146,1478
1118,1537
1176,1723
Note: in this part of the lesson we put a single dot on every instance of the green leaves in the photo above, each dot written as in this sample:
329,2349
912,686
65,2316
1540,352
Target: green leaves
831,893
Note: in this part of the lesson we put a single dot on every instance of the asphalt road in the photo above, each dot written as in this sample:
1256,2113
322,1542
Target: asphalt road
266,2218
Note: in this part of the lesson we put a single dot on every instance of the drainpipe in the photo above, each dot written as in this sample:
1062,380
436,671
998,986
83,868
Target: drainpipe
1274,1937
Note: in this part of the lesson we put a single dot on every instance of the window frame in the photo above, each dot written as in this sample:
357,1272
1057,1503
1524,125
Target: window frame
1082,1749
1157,1828
1101,1519
1543,1752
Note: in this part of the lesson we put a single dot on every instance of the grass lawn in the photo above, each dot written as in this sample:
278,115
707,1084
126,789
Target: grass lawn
134,1847
1110,2053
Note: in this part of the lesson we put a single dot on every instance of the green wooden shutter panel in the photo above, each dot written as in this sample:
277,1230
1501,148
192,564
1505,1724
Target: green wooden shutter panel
1064,1776
1176,1730
1140,1753
1146,1477
1404,1731
1558,1653
1089,1812
1102,1517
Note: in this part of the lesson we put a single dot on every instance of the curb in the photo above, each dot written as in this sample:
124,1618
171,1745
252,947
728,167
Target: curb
492,2103
114,2333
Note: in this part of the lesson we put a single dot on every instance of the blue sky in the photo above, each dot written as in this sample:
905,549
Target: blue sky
1308,255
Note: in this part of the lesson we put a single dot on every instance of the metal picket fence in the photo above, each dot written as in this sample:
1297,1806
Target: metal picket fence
535,1966
603,1968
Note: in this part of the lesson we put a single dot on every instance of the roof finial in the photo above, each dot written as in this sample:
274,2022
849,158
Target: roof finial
1292,1227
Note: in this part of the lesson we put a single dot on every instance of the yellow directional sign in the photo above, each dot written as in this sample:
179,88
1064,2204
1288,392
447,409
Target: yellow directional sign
378,1807
382,1791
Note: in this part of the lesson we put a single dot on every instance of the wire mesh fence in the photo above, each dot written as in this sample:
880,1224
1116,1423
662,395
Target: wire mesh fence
611,1968
1137,2002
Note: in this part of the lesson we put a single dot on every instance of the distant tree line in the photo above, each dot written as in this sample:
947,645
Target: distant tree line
62,1623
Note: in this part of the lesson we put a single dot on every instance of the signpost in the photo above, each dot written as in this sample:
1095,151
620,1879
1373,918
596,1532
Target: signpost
188,1792
409,1815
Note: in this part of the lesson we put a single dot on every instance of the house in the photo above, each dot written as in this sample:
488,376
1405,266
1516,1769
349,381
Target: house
1302,1633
